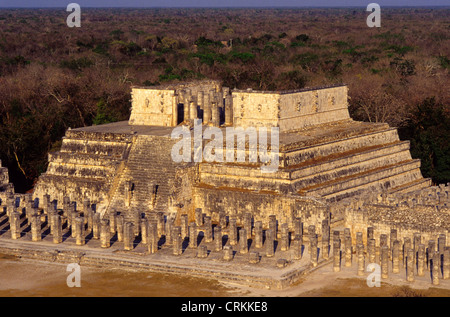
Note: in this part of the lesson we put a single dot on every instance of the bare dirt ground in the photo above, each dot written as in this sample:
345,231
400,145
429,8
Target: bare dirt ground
30,278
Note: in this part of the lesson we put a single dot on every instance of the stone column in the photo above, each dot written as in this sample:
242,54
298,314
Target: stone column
313,250
395,257
57,228
185,97
184,226
153,237
80,237
67,213
347,232
406,247
160,223
258,234
273,225
128,236
311,231
177,242
410,265
359,238
89,216
284,243
207,109
348,251
120,225
383,240
169,231
417,239
325,238
441,244
228,253
86,205
192,110
198,217
243,241
384,261
50,214
136,220
74,215
370,233
14,224
228,111
253,257
360,255
45,203
112,222
336,255
421,260
96,226
232,232
66,203
144,230
104,234
217,239
208,229
392,238
193,235
248,224
270,243
222,220
36,228
298,226
436,267
430,252
202,251
446,266
215,114
297,246
371,250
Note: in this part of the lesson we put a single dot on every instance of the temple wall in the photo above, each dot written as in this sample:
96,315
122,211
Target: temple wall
255,109
153,107
312,107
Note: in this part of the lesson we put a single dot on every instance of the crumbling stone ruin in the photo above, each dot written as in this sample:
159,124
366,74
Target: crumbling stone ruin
343,191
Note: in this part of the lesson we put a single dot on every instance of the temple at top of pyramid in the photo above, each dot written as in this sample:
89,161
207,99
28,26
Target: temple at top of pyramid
170,105
324,156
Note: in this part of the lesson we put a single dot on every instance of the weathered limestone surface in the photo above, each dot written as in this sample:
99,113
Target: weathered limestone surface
324,156
355,179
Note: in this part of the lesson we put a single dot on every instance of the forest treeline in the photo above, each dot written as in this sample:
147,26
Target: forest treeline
53,77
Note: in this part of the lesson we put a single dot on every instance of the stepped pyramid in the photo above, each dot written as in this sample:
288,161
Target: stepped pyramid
324,155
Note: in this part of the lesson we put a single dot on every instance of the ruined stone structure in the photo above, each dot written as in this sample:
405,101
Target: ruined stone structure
340,187
127,166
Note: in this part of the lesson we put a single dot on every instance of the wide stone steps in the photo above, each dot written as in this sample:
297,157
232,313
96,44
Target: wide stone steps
376,179
81,158
149,164
81,170
97,147
335,147
412,186
309,173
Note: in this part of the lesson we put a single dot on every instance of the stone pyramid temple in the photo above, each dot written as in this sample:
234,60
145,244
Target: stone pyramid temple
323,156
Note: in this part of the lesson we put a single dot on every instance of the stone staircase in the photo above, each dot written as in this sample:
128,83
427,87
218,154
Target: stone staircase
148,175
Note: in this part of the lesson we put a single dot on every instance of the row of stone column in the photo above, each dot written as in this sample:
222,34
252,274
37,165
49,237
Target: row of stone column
210,102
413,256
69,216
238,237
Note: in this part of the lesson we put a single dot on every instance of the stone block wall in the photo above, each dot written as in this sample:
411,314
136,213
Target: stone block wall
312,107
290,110
153,107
